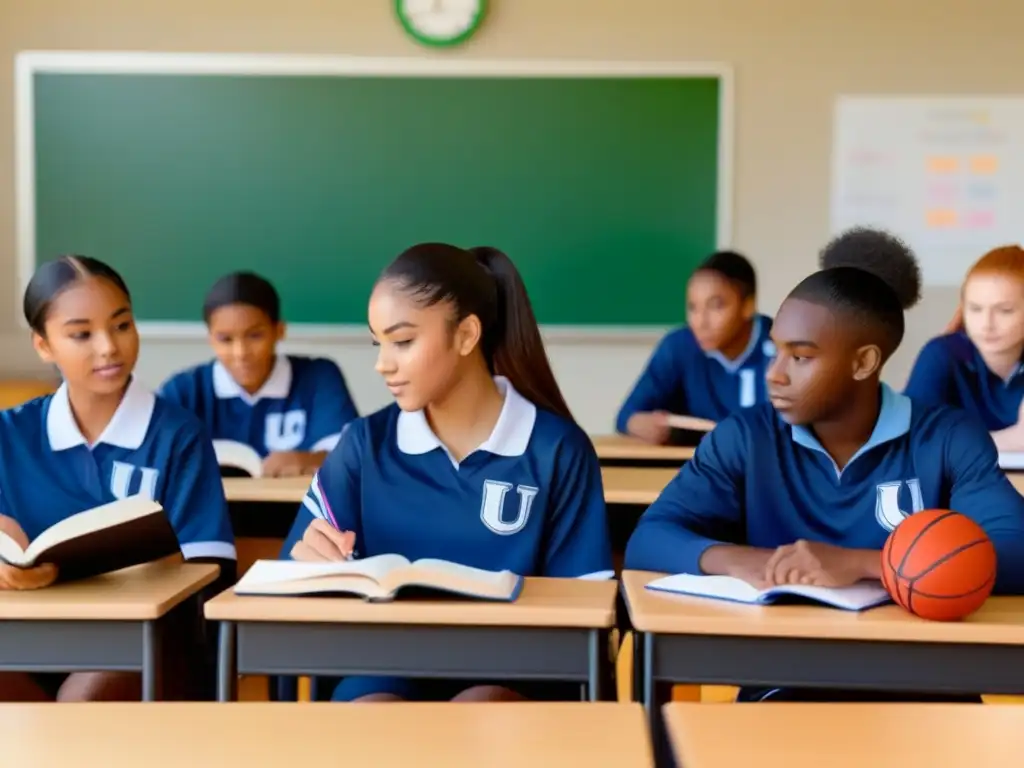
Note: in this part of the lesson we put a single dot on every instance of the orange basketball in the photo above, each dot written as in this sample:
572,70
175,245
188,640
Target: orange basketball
939,565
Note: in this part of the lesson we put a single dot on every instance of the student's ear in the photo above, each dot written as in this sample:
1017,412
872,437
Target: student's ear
279,331
42,348
468,334
866,362
749,307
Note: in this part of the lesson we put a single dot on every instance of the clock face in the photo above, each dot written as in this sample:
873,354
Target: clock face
440,22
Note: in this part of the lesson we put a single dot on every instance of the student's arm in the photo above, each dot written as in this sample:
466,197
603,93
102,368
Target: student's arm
333,497
332,409
697,523
980,490
576,539
658,391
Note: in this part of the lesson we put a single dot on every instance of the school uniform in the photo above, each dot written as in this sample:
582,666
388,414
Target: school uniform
302,406
681,378
48,472
758,481
950,370
529,499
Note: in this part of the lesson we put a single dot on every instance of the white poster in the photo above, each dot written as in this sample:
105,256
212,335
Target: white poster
945,174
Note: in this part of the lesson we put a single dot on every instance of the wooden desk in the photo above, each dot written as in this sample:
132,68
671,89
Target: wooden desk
110,622
704,641
172,734
845,735
622,448
622,485
556,630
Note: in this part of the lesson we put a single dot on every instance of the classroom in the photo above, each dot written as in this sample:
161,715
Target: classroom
757,89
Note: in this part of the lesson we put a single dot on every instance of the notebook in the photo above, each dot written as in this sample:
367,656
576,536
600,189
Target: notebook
238,456
380,578
858,597
99,540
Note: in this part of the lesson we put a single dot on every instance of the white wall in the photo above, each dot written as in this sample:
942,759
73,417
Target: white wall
790,59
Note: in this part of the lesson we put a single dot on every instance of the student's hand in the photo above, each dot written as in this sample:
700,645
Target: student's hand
23,578
292,463
651,427
746,563
323,542
821,565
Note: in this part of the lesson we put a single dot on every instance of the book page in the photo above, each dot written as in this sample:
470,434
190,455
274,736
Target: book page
1011,460
231,453
725,587
690,422
10,552
460,571
273,571
95,519
855,596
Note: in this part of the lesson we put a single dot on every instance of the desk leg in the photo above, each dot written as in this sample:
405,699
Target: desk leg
599,666
654,697
152,660
226,675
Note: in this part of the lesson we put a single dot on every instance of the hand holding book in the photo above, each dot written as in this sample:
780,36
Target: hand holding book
14,578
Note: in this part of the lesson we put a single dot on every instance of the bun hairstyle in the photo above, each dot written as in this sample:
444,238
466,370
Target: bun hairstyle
872,276
484,282
54,277
243,288
735,268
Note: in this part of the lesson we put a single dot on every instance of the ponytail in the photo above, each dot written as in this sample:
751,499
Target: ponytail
484,282
514,347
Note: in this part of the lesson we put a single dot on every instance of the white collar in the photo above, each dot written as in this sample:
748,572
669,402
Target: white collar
127,429
277,386
510,436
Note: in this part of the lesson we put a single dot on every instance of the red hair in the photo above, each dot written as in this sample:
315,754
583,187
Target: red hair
1006,260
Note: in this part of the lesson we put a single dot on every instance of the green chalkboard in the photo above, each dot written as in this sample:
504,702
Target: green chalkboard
604,190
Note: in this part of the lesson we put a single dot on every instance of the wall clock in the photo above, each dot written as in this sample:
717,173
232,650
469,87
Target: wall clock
441,22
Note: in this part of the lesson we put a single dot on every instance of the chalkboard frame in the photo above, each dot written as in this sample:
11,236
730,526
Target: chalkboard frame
30,63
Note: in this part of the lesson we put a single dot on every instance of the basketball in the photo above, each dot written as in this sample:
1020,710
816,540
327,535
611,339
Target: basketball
939,565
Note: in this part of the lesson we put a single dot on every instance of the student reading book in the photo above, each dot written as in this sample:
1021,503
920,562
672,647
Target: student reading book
712,367
379,578
289,409
806,490
854,597
478,462
99,438
105,538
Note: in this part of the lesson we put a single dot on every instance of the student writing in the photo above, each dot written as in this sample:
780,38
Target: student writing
806,489
289,409
712,367
478,461
978,365
100,437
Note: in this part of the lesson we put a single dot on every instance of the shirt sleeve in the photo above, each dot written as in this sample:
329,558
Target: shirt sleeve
332,408
659,387
334,493
577,544
194,501
980,490
931,379
701,507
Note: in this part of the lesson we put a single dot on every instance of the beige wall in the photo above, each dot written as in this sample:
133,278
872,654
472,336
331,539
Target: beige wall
790,58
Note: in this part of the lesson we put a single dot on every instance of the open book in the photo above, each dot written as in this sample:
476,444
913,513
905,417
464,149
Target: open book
858,597
238,456
378,578
691,423
99,540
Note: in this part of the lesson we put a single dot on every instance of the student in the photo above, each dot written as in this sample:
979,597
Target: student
100,437
977,364
791,491
478,461
712,367
290,410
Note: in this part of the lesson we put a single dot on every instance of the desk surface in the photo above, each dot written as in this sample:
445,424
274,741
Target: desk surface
845,735
1000,620
172,734
624,447
141,593
622,485
542,603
